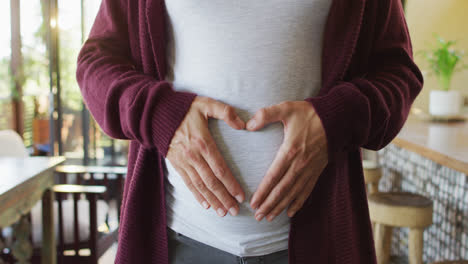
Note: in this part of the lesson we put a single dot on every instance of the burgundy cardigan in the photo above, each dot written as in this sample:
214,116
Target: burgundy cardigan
369,83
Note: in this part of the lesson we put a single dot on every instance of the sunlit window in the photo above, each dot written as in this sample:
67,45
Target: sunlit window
74,21
69,25
36,71
5,80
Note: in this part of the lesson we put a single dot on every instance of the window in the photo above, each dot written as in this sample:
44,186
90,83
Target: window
5,80
80,139
36,71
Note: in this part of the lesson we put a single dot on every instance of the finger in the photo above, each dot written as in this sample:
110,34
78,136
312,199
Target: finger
207,194
215,186
266,115
295,190
277,169
188,182
218,165
297,204
224,112
280,191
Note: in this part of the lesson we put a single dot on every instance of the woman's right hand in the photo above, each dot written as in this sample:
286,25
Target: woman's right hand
195,156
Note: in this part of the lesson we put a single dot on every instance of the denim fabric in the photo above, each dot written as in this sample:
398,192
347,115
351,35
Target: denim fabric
184,250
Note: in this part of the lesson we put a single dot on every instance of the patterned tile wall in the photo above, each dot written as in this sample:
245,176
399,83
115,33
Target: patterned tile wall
447,238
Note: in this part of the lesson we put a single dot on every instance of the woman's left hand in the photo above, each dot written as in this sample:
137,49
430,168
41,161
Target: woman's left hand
300,160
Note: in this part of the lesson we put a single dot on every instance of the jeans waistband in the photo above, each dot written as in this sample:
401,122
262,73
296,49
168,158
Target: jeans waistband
189,241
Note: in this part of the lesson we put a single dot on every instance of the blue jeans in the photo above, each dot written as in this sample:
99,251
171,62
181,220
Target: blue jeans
184,250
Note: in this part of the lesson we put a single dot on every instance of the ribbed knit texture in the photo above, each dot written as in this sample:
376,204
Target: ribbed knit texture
165,120
369,83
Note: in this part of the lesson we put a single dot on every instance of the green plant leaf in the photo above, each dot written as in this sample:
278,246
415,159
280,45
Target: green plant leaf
443,60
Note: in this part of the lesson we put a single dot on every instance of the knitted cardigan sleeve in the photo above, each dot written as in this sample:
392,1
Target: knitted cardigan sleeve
370,111
125,102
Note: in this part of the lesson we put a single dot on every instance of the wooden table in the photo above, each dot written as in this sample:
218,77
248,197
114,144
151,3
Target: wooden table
24,181
443,142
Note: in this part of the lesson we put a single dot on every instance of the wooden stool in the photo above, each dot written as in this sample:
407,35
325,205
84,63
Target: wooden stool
451,262
372,175
399,209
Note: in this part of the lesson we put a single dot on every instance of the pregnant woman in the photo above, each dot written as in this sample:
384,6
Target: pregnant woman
246,120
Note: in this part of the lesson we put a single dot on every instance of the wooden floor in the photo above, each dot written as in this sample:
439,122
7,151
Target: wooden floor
109,256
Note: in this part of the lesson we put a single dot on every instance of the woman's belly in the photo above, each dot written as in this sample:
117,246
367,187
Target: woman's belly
248,54
247,86
248,155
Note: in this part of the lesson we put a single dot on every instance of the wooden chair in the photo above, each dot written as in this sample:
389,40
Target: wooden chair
85,234
73,239
95,246
399,209
110,176
372,175
395,209
113,178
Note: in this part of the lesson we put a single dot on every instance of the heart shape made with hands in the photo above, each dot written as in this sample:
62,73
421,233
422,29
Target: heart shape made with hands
276,162
277,158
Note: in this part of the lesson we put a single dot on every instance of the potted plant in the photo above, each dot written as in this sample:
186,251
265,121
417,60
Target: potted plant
444,61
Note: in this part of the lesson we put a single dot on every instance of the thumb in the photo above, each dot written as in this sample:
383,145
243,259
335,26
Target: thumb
222,111
267,115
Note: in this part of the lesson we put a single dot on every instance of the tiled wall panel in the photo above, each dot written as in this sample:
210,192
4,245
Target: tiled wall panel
447,238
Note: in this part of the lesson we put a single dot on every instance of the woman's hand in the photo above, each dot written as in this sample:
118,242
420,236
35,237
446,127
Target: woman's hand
299,162
195,156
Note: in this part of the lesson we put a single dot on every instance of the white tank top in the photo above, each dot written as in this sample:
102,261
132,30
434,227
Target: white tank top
248,54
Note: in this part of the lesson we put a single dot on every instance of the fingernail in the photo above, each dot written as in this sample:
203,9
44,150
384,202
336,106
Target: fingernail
205,205
270,218
291,214
259,217
221,212
239,198
251,124
233,211
254,206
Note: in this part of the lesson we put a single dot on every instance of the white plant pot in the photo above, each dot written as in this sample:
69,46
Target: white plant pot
444,103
